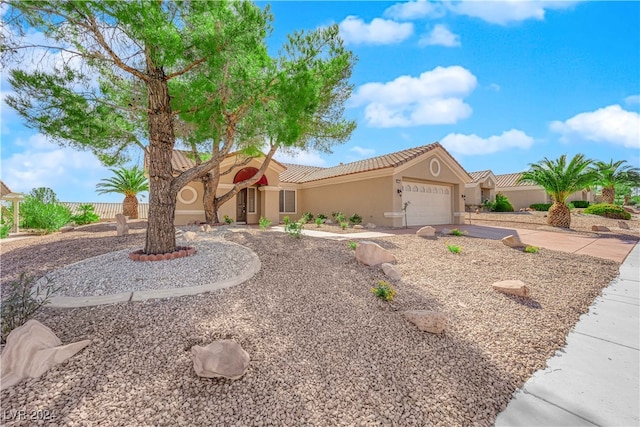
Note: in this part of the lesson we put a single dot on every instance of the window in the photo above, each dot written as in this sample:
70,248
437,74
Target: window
287,201
251,200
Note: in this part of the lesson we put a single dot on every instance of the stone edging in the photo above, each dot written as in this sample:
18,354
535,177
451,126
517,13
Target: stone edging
73,302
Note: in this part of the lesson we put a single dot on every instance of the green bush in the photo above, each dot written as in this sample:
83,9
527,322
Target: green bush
264,223
502,204
542,207
384,291
4,230
344,225
228,220
41,211
608,211
319,222
22,302
338,217
294,229
355,219
86,215
321,216
456,232
353,246
531,249
307,217
454,249
581,204
286,220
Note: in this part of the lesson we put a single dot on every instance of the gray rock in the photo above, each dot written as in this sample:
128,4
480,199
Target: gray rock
428,321
220,359
66,229
371,253
512,287
121,225
513,242
599,228
623,225
427,232
390,271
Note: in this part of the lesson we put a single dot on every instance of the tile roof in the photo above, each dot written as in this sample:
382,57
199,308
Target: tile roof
477,176
303,174
181,160
108,210
511,180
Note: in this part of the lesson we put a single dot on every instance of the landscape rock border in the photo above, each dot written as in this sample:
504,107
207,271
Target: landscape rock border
180,252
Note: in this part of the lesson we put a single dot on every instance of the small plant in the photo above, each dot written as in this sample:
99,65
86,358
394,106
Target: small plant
541,207
457,232
87,215
384,291
531,249
294,229
228,219
581,204
286,220
344,225
307,217
4,230
353,246
454,249
264,223
321,216
318,222
23,301
355,219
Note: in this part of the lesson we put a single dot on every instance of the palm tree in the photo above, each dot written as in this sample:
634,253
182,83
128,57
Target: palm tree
611,173
129,182
560,179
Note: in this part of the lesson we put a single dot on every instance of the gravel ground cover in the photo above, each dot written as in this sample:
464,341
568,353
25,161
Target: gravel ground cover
324,351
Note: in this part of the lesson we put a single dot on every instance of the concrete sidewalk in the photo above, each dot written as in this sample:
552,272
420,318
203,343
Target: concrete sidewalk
594,379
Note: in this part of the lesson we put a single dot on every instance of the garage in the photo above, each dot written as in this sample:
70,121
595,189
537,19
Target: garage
429,204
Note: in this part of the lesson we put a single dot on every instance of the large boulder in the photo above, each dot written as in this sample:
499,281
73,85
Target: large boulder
513,242
427,232
429,321
512,287
599,228
121,225
390,271
220,359
32,349
371,253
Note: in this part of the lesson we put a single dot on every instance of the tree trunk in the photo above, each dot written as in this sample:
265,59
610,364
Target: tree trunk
627,200
210,183
130,207
161,237
559,215
608,195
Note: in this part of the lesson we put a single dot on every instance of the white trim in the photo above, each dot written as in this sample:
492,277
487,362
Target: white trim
189,211
192,199
295,201
394,214
459,213
270,188
435,162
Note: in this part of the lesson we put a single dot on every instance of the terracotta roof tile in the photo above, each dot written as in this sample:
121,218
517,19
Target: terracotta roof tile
477,176
108,210
511,180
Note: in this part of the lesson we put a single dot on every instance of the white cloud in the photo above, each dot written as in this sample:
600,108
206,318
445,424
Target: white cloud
300,157
354,30
414,10
475,145
611,124
494,87
507,11
435,97
632,100
363,152
440,36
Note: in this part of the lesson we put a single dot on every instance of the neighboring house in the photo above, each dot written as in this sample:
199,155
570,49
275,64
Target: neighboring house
108,211
428,178
521,195
15,198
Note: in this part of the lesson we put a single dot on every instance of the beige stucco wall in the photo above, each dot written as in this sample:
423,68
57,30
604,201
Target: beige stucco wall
524,197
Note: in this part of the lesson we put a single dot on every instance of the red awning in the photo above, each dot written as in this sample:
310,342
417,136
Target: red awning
247,173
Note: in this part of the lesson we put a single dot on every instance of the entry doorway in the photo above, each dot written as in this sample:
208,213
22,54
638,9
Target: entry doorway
241,206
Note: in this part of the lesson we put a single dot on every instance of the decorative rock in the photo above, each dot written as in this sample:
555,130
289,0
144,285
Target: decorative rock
31,350
513,242
207,228
623,225
477,211
599,228
370,225
428,321
66,229
445,231
358,227
201,228
512,287
427,232
328,221
220,359
189,236
121,225
390,271
370,253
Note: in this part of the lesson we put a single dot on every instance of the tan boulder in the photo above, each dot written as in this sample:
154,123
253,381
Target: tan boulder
623,225
429,321
371,253
513,242
599,228
358,227
512,287
190,236
427,232
31,350
220,359
390,271
121,225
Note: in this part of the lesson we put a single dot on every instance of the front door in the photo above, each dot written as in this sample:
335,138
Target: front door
241,211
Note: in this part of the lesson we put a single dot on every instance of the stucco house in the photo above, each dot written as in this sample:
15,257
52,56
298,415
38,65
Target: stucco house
485,185
427,178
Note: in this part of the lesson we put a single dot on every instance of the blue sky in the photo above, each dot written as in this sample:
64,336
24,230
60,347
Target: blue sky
499,84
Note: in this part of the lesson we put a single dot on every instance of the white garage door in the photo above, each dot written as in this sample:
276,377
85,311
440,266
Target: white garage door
428,204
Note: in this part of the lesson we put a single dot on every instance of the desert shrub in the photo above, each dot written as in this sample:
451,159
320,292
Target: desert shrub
502,204
41,211
355,219
608,211
531,249
286,220
338,217
4,230
454,249
294,229
457,232
542,207
571,206
264,223
384,291
307,217
321,216
319,222
228,219
344,225
87,215
22,301
353,246
581,204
